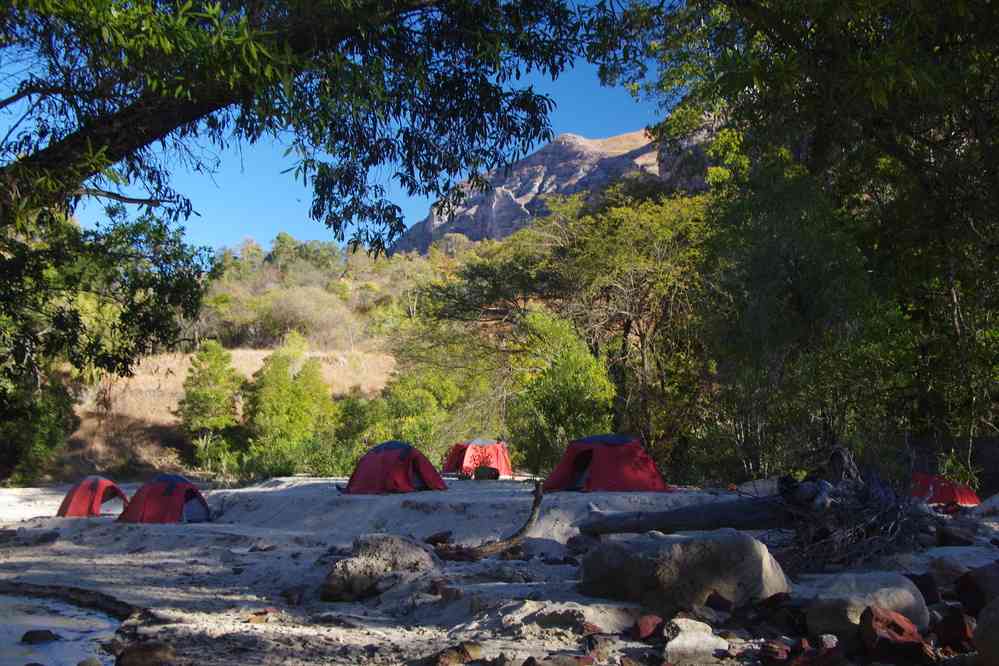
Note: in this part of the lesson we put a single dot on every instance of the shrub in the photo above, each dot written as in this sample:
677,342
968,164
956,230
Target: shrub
288,405
35,427
569,396
211,391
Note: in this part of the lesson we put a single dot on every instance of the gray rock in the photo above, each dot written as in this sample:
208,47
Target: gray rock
38,636
90,661
668,573
987,634
567,165
689,642
835,603
378,562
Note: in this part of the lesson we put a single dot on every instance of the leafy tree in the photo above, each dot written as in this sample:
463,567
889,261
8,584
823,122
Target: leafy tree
36,424
211,391
567,395
287,406
885,109
426,88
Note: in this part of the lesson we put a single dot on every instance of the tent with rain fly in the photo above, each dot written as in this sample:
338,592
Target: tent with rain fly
938,490
606,462
465,457
393,467
167,498
85,498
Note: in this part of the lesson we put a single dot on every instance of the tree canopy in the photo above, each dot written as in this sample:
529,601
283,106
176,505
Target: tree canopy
106,96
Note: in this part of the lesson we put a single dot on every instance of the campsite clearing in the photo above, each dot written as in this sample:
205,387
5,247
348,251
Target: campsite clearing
245,587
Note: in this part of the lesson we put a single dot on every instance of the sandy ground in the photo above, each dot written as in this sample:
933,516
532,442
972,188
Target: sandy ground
275,541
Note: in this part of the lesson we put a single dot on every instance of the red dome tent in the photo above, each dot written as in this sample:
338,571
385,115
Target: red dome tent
463,458
85,498
393,467
168,498
606,462
938,490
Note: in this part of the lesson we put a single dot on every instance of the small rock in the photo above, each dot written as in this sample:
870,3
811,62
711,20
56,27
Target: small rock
978,587
294,596
438,538
987,634
581,544
828,642
891,638
719,603
955,630
927,586
948,535
38,636
89,661
689,642
774,651
647,627
153,653
597,646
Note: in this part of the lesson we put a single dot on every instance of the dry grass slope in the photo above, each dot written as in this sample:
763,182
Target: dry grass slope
128,425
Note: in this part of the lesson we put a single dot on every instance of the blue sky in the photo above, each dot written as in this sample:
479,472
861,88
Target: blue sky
249,197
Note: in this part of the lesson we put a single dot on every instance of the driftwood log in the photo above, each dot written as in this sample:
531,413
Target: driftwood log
447,551
836,517
742,514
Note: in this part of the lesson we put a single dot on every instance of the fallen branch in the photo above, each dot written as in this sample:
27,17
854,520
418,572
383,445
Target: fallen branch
743,514
447,551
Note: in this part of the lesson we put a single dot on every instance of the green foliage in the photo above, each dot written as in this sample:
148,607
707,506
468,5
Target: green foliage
567,394
111,80
35,427
288,405
213,454
952,467
211,391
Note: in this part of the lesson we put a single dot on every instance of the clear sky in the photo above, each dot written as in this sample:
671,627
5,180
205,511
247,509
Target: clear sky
250,197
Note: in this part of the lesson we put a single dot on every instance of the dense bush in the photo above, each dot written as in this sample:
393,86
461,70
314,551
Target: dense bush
211,392
288,406
34,429
567,395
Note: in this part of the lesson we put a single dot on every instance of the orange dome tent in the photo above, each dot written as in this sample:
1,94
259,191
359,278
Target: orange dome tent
938,490
168,498
84,500
393,467
606,462
465,457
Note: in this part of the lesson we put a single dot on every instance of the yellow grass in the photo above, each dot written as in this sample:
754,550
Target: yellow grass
130,422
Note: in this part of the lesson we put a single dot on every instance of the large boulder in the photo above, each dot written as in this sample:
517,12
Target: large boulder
669,573
987,634
377,562
834,603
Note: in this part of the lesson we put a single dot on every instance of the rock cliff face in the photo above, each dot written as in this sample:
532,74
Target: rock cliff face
567,165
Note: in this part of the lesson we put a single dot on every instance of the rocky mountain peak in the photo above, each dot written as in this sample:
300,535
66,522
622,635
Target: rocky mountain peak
570,163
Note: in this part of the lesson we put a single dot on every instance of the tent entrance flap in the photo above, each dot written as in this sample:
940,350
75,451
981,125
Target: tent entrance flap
581,470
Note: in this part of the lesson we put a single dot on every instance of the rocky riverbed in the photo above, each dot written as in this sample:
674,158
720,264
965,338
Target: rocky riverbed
254,586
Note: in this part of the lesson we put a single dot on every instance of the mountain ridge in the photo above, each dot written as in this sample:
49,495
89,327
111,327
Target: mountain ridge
569,164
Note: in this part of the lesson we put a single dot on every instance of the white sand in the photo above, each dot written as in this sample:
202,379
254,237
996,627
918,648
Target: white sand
205,580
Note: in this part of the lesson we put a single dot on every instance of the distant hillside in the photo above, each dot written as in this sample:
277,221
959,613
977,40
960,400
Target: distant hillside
567,165
128,424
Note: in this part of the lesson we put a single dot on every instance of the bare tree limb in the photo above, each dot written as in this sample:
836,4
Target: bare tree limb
492,549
